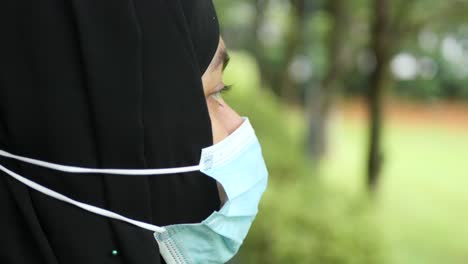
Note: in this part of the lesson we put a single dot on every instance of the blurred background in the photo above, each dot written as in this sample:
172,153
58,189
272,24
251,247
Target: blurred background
361,107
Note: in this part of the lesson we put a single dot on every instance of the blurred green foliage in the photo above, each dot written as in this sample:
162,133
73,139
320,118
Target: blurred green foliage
412,21
300,221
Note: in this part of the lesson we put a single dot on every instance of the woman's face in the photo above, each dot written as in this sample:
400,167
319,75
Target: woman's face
224,120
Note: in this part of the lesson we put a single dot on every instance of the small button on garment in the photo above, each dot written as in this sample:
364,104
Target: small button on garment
114,252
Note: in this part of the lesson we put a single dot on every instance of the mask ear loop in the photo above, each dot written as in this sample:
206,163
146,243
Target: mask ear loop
74,169
87,207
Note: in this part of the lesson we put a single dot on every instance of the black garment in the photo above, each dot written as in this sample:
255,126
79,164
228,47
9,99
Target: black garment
102,84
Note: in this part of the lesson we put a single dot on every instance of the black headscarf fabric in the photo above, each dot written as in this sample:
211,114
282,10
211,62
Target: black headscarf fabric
102,84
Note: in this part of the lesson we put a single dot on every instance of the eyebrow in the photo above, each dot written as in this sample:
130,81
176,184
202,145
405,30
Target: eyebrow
223,59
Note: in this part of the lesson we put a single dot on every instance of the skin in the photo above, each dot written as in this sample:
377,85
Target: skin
224,120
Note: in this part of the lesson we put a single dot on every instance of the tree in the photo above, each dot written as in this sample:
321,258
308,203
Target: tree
320,102
295,40
392,26
381,47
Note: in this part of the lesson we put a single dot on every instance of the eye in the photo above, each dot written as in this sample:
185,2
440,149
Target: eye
224,89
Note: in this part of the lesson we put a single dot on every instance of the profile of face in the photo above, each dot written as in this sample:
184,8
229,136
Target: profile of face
224,120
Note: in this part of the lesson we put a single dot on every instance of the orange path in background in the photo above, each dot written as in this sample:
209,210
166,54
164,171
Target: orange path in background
452,115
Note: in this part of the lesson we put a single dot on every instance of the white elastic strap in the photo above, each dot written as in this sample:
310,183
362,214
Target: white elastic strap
87,207
74,169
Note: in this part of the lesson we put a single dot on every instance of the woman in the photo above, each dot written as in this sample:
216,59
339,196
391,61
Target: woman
107,84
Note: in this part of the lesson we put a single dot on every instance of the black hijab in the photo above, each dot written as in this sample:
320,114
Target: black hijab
102,84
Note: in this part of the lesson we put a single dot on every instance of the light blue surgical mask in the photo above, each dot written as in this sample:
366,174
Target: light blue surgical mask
236,163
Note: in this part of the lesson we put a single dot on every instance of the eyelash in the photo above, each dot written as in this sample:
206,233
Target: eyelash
226,88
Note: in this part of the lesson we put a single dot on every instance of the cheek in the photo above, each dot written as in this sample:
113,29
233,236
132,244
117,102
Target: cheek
210,80
218,129
224,120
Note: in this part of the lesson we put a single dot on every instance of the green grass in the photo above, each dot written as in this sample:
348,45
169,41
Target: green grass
422,202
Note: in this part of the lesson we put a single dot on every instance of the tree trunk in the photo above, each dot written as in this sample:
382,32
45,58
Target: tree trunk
257,49
294,45
382,49
321,100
